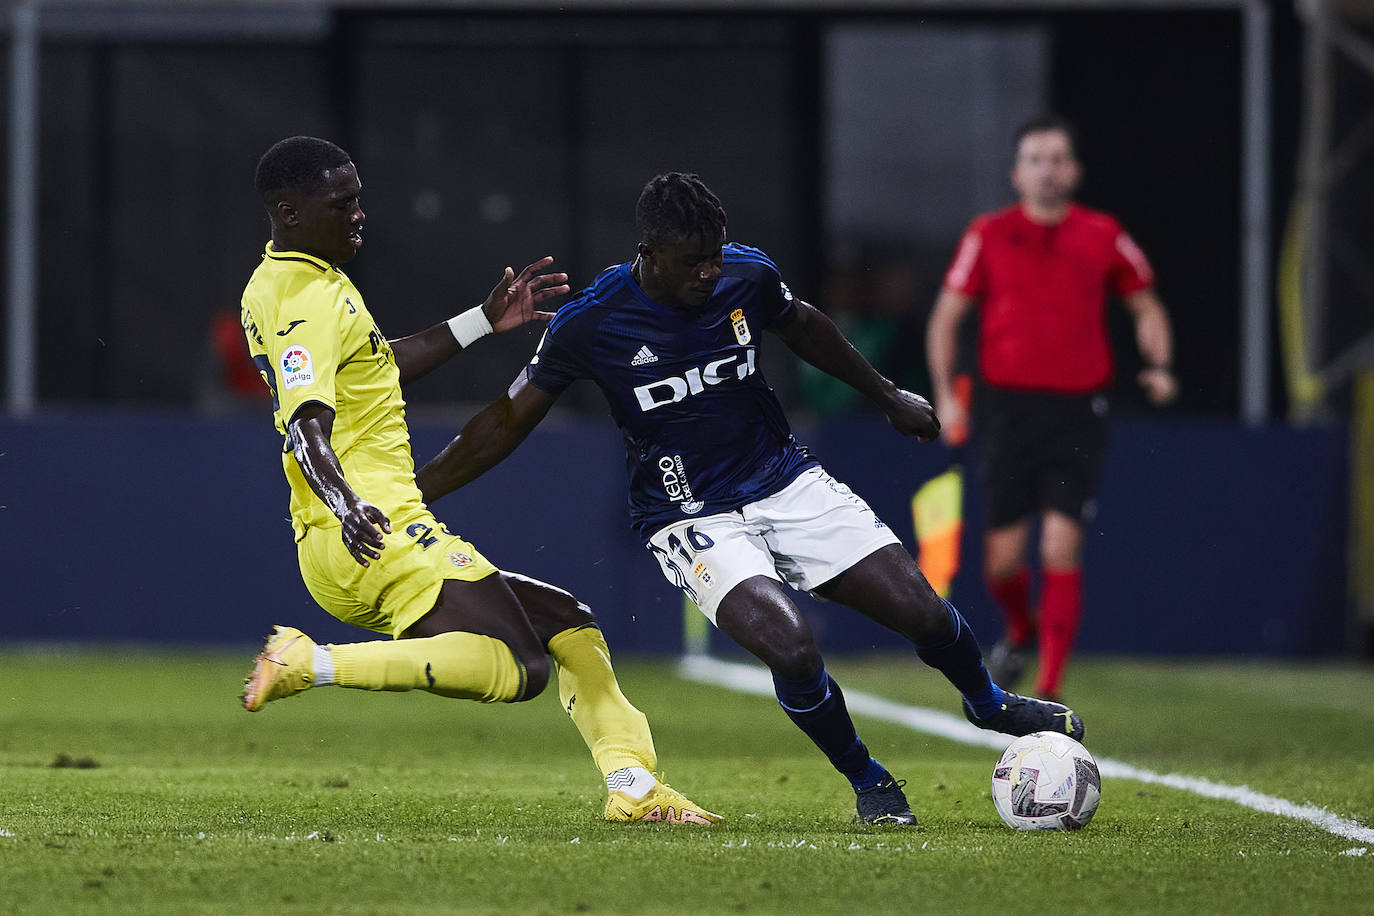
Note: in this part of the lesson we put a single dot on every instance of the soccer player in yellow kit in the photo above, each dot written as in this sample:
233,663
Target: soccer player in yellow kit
370,551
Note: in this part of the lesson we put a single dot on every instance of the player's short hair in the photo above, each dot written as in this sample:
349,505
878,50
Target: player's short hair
1044,122
675,206
297,164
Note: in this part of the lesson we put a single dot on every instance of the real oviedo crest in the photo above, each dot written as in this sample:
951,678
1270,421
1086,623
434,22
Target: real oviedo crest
741,326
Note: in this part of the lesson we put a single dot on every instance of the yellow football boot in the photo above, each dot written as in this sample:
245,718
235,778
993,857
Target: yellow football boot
662,804
284,667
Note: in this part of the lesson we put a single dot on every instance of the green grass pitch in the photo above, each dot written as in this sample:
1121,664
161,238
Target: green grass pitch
131,782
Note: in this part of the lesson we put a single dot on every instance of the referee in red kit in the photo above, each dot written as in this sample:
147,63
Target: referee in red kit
1040,272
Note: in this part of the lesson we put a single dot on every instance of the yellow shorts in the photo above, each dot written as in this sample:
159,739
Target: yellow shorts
397,589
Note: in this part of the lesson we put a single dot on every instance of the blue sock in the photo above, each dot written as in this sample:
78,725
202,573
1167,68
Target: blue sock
961,661
817,707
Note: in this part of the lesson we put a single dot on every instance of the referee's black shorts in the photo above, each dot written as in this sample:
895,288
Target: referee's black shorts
1038,451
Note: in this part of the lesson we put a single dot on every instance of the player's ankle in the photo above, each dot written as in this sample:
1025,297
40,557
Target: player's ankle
635,782
324,666
986,702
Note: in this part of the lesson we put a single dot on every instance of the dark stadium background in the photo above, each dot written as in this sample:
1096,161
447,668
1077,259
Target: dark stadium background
143,500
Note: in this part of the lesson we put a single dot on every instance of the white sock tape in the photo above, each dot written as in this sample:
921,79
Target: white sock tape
469,326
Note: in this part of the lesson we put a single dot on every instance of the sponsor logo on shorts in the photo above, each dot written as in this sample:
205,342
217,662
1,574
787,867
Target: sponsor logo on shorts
676,486
740,326
297,368
460,560
703,575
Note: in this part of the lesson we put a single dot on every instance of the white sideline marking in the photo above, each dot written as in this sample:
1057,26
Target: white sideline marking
756,680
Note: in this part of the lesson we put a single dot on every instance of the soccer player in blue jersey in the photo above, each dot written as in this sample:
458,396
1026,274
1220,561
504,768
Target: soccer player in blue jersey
728,501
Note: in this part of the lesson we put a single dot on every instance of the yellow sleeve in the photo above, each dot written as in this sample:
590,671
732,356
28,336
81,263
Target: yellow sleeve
303,348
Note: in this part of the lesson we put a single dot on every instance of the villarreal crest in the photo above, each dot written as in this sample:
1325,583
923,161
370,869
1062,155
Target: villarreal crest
740,325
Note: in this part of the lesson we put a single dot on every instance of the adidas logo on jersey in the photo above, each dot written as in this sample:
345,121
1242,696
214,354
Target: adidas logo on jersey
644,357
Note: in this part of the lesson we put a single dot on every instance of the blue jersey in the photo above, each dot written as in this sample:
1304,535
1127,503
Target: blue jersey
704,432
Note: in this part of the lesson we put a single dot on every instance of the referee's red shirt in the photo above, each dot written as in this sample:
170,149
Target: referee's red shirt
1043,295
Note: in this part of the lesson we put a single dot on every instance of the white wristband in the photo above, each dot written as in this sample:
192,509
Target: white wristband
469,326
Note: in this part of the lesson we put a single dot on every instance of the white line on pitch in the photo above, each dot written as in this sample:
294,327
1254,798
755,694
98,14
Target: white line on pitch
756,680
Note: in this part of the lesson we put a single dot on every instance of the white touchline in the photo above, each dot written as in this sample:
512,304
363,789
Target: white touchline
756,680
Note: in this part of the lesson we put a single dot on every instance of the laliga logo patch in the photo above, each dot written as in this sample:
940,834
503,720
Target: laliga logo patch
296,367
460,560
740,325
703,575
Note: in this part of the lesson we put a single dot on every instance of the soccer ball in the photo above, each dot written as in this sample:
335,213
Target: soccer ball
1046,781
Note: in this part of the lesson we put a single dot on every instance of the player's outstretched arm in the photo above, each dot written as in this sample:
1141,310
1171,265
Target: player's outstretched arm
485,440
813,336
510,304
363,523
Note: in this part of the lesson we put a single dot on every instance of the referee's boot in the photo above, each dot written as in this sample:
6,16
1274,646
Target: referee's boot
1022,715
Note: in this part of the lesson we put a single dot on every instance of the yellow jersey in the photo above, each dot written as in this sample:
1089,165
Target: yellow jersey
313,340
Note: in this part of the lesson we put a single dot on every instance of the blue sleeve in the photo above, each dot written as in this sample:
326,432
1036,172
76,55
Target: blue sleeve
554,367
780,305
776,306
773,305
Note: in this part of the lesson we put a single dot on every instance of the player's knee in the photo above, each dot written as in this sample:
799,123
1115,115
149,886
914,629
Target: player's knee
550,610
577,614
932,622
795,660
536,671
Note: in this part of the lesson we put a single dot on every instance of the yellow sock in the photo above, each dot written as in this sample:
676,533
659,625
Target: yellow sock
616,733
461,665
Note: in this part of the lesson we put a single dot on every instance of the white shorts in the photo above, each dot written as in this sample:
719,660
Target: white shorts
805,535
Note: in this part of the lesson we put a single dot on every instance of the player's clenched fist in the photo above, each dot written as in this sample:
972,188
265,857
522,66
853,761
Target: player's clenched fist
911,415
